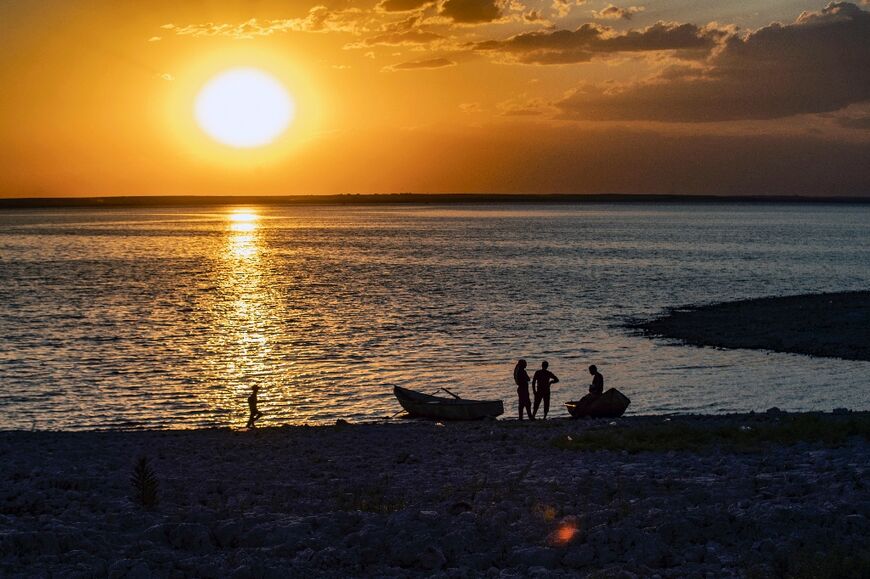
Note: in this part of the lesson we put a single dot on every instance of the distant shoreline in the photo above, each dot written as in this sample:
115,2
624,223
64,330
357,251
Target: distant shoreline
405,199
830,325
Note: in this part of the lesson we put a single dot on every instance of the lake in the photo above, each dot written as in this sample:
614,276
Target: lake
164,318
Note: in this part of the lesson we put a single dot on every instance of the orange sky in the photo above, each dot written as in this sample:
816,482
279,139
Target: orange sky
444,96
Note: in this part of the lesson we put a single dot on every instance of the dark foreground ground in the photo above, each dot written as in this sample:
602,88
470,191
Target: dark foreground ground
769,495
835,325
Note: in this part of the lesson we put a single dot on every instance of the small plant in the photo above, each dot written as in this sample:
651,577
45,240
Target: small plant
144,483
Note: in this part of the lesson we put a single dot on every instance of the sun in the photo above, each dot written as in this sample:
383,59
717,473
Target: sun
244,108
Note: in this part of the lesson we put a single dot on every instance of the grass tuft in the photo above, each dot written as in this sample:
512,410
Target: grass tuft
144,483
753,436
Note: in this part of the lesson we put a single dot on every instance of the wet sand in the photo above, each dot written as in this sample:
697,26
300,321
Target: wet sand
408,498
835,325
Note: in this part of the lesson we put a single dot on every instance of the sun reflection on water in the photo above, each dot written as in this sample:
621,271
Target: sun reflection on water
243,221
241,319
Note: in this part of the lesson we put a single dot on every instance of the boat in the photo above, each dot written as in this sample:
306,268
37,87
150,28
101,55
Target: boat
441,408
611,404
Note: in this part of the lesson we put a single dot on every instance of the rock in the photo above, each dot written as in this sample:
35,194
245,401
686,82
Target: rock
775,411
190,537
694,554
241,572
140,570
429,516
156,534
431,559
341,422
459,508
227,534
579,557
534,557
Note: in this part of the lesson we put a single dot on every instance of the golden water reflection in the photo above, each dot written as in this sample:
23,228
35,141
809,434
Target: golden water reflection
241,345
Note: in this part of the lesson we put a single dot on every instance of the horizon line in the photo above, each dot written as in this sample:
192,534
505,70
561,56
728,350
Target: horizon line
405,198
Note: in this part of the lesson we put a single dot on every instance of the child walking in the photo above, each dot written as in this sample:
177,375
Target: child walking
252,404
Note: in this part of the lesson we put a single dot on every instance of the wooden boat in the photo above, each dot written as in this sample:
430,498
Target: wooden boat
440,408
611,404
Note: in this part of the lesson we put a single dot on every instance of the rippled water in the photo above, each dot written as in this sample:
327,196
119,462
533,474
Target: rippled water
165,318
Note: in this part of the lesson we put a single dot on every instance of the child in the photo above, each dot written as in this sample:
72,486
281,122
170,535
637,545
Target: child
252,404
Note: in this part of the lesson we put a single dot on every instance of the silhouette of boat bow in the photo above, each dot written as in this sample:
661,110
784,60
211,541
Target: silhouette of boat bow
440,408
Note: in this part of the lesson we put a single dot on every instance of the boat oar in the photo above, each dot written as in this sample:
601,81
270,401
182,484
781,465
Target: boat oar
451,393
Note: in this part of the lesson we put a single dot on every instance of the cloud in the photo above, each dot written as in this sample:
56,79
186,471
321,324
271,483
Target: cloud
593,40
471,11
402,5
470,108
421,64
523,106
861,123
611,12
318,19
412,37
405,32
534,16
817,64
563,7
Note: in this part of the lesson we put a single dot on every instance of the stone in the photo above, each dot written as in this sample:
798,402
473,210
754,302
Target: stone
534,557
431,559
459,508
580,557
190,537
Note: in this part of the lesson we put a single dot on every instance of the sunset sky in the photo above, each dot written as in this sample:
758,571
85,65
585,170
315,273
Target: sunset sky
554,96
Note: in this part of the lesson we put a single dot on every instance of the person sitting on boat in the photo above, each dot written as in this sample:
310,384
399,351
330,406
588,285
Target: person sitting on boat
521,377
597,386
541,383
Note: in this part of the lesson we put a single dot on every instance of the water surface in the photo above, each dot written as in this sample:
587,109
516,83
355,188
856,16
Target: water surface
154,318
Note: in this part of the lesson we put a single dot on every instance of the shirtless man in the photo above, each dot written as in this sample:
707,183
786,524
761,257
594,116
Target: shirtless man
541,383
597,386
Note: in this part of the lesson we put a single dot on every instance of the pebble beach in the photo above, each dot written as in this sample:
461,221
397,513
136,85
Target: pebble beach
417,498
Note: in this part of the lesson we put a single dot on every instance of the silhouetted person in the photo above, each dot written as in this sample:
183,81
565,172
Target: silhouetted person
597,386
252,404
521,377
541,387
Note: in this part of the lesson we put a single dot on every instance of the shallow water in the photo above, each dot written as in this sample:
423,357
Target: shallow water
154,318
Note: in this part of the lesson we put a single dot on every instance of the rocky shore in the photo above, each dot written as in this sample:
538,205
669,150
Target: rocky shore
757,495
835,325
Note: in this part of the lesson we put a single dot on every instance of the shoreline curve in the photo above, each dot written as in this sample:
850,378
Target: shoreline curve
830,325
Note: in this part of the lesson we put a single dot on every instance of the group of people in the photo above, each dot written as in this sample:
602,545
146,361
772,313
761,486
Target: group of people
541,382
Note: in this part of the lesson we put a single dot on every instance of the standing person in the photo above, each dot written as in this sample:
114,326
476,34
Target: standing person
521,377
597,386
252,405
541,383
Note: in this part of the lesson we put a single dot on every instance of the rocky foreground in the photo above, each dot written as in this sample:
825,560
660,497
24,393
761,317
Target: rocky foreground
835,325
685,497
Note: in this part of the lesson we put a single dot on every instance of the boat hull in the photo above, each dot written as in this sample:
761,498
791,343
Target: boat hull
439,408
611,404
